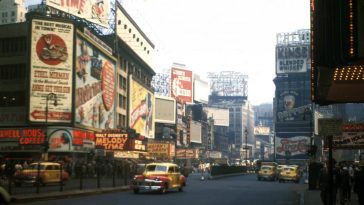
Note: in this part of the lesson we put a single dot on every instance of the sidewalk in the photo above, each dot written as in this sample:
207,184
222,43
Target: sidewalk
313,197
54,195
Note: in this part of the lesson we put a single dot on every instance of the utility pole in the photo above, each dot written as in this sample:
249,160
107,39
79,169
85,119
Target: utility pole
246,145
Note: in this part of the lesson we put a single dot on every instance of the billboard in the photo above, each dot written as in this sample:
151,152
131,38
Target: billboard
141,104
165,110
292,145
95,11
161,149
200,90
195,133
291,105
95,85
111,141
181,84
51,64
292,58
220,115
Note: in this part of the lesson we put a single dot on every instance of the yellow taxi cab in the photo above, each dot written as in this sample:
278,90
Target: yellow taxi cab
290,173
280,168
49,172
159,177
267,172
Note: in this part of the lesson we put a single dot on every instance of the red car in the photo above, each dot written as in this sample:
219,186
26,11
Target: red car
159,177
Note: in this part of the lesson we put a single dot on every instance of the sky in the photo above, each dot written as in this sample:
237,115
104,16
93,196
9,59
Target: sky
220,35
228,35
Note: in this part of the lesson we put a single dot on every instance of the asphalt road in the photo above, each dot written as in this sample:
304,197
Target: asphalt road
244,189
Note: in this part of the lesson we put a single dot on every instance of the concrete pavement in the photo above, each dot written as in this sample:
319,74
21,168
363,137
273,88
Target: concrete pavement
312,197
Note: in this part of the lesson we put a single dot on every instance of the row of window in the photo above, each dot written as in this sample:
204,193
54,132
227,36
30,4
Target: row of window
12,72
12,99
137,39
5,14
13,46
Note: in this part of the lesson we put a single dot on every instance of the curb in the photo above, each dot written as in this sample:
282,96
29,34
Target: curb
65,194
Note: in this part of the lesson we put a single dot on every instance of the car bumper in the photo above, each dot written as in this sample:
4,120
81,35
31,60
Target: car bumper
148,185
266,176
285,178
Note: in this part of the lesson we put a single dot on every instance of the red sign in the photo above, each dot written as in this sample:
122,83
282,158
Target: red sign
80,136
25,135
108,85
181,84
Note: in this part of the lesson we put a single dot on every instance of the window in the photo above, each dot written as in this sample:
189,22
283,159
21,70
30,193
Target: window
13,13
12,99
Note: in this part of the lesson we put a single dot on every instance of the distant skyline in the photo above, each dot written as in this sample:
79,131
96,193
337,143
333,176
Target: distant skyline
213,36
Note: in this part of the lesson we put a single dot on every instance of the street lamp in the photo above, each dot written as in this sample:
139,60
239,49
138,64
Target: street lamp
246,145
50,96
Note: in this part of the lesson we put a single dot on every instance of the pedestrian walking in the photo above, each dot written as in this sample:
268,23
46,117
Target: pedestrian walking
344,184
359,184
324,184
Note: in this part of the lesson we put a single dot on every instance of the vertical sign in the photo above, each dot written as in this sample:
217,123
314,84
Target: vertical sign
51,70
181,84
141,109
95,85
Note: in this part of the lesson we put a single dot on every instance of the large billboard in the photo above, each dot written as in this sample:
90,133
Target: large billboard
292,145
181,84
165,110
195,132
291,105
95,11
220,115
200,90
95,85
51,64
141,103
293,52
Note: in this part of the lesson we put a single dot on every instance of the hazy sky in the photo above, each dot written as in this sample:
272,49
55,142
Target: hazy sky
212,35
224,35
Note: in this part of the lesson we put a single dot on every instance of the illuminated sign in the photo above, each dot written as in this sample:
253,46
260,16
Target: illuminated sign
80,136
111,141
26,136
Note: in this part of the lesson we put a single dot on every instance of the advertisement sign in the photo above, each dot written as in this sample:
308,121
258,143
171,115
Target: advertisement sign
220,115
161,149
352,136
181,84
95,86
292,59
95,11
51,63
111,141
141,109
83,137
196,132
185,153
292,145
291,107
161,84
200,90
165,110
25,136
261,130
60,140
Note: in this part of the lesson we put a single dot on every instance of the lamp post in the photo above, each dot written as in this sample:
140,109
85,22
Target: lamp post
50,96
246,145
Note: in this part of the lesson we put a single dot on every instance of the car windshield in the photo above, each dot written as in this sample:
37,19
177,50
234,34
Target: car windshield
35,166
156,168
266,168
289,169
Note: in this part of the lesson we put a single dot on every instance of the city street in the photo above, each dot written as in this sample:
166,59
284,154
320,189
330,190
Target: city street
244,189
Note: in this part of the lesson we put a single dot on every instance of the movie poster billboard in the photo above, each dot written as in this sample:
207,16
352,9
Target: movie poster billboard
95,11
292,145
181,84
141,103
51,63
95,85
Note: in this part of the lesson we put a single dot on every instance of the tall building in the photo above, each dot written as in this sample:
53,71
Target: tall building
292,104
12,11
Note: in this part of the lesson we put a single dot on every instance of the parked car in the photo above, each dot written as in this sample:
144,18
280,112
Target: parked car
159,177
280,168
267,172
49,172
290,173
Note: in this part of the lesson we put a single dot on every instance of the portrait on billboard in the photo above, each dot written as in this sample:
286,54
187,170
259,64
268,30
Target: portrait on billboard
142,105
95,86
